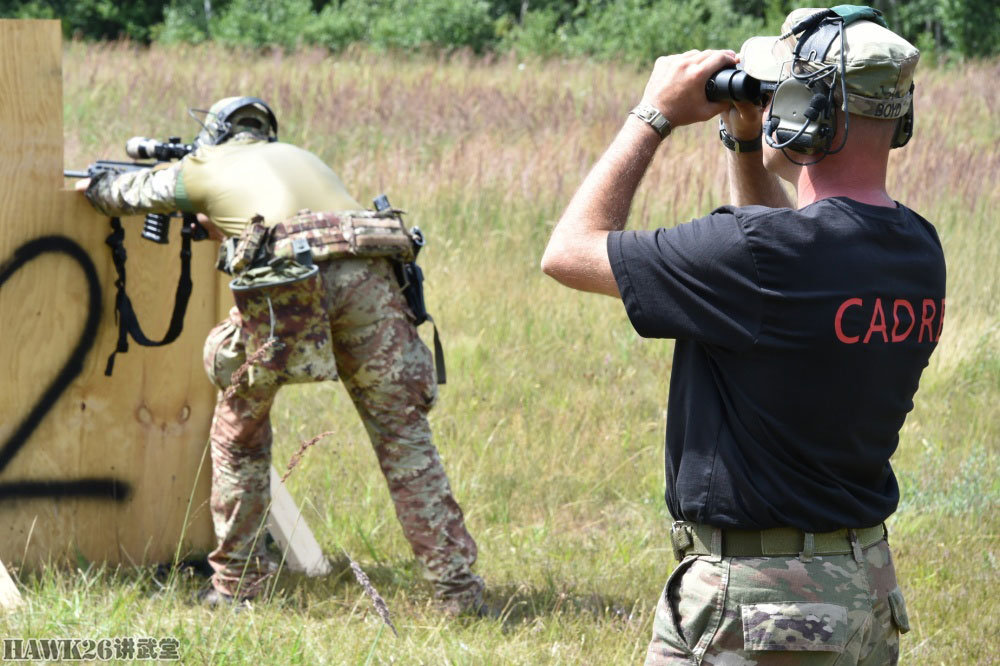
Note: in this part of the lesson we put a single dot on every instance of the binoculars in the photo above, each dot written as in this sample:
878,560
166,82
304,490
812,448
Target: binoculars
735,85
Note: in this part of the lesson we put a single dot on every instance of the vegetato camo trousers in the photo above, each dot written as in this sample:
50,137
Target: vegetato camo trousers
764,611
389,374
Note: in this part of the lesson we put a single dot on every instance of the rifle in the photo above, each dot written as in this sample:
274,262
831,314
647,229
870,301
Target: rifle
156,229
108,166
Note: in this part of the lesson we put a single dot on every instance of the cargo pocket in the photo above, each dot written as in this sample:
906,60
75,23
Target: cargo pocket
224,351
794,626
898,608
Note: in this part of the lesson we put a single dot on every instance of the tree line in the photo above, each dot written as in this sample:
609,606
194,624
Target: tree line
635,30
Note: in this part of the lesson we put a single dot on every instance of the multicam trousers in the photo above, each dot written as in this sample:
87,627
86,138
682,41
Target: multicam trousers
764,611
389,374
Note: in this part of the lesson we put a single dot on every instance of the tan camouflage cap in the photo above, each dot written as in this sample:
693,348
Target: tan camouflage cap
880,63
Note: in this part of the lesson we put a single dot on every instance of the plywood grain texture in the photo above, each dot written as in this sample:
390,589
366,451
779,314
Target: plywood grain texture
146,427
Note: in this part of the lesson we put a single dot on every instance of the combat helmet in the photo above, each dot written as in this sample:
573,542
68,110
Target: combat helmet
232,115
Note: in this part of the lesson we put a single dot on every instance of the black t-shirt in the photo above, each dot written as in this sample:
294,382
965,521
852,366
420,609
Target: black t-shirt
801,336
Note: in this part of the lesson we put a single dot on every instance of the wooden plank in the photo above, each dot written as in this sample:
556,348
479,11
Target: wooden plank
293,536
10,597
146,427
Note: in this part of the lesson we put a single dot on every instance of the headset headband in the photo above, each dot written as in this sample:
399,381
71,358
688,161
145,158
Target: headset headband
222,116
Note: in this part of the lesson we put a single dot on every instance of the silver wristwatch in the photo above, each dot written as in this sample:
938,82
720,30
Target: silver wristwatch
651,115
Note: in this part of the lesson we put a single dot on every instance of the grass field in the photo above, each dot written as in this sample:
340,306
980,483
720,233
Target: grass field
551,425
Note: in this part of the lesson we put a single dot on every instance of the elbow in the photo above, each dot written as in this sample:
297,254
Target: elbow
554,260
548,264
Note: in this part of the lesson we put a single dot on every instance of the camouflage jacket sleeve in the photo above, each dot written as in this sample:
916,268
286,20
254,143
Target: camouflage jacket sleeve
142,191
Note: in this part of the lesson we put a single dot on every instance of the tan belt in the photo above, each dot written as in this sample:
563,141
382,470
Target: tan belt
343,234
310,237
696,539
329,222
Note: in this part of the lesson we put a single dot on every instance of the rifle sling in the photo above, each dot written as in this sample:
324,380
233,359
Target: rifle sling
125,317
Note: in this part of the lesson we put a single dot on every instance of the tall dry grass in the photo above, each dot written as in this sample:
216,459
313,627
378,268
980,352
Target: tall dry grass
551,424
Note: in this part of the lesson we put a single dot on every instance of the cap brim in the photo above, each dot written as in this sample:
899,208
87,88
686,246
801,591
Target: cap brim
764,57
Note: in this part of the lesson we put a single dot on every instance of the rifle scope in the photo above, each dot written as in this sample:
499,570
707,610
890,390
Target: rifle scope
141,148
734,85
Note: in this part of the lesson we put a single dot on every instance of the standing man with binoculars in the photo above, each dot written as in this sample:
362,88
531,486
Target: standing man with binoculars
802,330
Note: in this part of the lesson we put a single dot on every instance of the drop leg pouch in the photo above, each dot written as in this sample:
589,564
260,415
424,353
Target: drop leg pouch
286,326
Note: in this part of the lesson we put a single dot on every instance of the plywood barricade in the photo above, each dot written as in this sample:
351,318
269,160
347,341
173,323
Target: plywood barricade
115,468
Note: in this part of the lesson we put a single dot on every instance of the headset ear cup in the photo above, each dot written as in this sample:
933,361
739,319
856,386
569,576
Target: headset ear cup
903,132
802,118
904,129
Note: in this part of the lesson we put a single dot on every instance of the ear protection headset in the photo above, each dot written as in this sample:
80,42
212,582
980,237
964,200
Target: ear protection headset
227,129
803,113
217,127
904,126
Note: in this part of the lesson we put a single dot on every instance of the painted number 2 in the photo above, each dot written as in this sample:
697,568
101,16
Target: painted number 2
102,487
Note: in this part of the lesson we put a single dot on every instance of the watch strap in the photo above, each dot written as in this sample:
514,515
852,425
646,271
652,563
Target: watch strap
650,115
738,145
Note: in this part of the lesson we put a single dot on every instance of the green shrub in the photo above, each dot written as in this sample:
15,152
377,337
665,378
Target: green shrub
92,19
539,33
35,9
183,21
335,28
636,30
446,24
641,30
256,23
972,26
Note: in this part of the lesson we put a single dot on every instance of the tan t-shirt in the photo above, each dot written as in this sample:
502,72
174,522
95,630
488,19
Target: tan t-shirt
241,178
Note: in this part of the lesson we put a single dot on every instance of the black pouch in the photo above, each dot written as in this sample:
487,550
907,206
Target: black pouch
411,281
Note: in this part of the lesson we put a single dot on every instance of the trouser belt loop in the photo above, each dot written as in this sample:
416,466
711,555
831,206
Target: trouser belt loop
808,547
716,555
855,546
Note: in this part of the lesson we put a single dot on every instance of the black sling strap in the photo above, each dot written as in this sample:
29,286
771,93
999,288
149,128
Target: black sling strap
128,323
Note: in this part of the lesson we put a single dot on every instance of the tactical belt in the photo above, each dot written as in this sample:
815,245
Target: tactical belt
696,539
310,237
338,235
